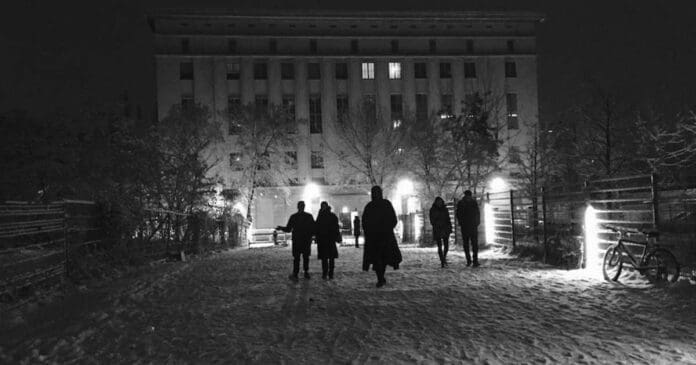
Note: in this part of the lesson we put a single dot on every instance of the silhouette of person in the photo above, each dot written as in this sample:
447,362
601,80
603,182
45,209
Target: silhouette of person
356,230
381,248
469,219
301,224
327,235
442,227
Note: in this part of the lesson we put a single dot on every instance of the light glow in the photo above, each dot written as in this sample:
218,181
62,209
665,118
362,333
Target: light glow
404,187
344,210
311,197
489,223
497,185
592,240
240,208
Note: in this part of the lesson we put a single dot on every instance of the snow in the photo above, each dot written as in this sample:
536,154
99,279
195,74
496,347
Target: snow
239,307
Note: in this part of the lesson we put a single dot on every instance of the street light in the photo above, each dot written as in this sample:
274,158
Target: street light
498,185
311,196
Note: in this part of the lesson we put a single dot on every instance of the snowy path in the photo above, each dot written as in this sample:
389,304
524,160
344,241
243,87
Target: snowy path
239,307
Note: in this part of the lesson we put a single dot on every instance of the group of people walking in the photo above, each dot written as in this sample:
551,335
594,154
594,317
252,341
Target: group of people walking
378,221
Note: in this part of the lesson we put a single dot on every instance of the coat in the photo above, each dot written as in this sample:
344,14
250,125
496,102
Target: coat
468,214
356,226
440,220
379,220
301,224
328,234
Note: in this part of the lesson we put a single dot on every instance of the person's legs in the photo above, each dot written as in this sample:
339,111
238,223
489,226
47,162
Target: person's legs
474,247
379,270
438,241
295,265
324,268
356,241
445,248
331,268
465,243
305,264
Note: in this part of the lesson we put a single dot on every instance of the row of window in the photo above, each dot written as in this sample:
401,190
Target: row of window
287,70
316,160
354,46
353,26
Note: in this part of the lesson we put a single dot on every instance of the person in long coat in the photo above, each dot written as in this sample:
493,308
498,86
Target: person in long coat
469,218
328,234
356,230
442,227
301,224
381,248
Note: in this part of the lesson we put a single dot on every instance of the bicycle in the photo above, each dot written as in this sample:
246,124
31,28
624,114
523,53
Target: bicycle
656,262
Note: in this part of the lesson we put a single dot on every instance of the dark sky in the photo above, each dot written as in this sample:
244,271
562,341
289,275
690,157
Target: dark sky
64,55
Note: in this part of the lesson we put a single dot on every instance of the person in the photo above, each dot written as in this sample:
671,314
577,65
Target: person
356,230
469,219
442,227
328,234
380,248
301,224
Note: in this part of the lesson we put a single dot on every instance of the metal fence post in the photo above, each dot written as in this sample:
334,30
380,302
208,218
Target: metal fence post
512,217
655,201
543,217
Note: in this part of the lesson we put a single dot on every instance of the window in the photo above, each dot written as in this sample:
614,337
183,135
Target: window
514,154
469,70
394,70
185,46
233,105
420,70
186,71
510,69
313,71
317,160
511,46
312,46
289,109
354,46
260,71
186,102
291,159
236,161
261,104
445,70
512,116
395,46
341,71
421,107
469,46
368,70
287,71
432,46
315,114
446,104
272,46
369,105
397,109
233,71
232,45
341,108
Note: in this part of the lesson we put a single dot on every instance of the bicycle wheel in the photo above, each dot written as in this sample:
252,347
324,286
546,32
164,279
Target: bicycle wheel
612,265
661,266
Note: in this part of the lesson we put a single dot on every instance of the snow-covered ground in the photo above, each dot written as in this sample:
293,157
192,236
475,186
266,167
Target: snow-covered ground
239,307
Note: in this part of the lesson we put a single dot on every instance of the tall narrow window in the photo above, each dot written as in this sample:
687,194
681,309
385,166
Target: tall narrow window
445,70
512,116
233,106
287,71
341,71
354,49
186,101
421,107
469,70
261,103
186,71
317,160
341,108
511,46
368,70
260,71
369,105
232,45
469,46
313,71
289,110
395,46
432,46
397,109
510,69
272,46
394,70
233,71
315,126
185,46
420,70
446,104
313,46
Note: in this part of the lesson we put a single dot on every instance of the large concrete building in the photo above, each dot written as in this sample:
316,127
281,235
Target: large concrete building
318,62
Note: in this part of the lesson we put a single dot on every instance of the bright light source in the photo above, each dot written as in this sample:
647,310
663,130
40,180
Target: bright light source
591,240
311,191
404,187
239,207
497,185
344,210
489,223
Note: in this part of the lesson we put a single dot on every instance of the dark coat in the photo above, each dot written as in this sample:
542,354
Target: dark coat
301,224
468,214
379,220
356,226
327,235
440,220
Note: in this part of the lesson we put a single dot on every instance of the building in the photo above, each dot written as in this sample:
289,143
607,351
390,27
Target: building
318,62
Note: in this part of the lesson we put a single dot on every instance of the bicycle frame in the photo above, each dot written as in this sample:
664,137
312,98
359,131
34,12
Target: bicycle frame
638,265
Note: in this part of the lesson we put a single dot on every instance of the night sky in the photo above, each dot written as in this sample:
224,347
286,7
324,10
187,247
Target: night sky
66,55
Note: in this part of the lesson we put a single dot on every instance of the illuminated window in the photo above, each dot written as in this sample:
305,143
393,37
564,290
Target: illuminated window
512,116
394,70
368,70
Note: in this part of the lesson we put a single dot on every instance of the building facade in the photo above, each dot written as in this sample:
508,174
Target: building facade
318,63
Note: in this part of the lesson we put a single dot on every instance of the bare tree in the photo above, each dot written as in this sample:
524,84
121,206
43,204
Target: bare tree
666,147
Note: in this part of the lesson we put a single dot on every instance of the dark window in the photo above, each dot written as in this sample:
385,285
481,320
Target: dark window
510,69
514,153
236,161
341,71
233,71
317,160
445,70
261,104
313,46
511,46
420,70
287,71
432,45
186,102
512,116
291,159
469,46
395,46
341,107
315,114
354,46
260,71
273,46
186,71
369,105
446,104
289,109
421,107
469,70
397,109
232,45
233,106
313,71
185,46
